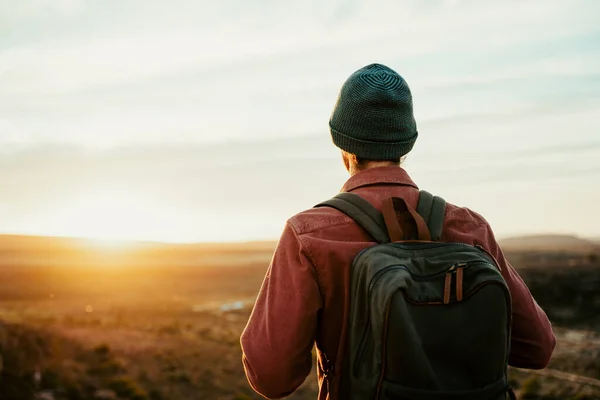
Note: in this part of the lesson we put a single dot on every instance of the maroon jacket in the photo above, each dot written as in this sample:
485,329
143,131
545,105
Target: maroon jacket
304,297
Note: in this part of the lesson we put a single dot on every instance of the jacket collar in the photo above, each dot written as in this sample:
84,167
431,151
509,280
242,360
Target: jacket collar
377,176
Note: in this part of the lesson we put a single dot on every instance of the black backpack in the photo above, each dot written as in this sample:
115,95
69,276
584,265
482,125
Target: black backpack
429,320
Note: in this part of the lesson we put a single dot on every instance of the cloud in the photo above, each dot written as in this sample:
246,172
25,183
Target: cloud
23,11
145,48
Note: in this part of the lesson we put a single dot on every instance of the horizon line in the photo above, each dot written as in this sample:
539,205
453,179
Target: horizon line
258,240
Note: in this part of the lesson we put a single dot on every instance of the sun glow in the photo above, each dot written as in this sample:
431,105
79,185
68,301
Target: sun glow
110,216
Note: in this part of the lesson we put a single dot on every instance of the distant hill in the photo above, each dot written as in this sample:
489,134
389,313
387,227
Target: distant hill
550,243
53,251
55,243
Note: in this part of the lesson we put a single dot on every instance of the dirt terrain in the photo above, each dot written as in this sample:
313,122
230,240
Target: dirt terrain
85,320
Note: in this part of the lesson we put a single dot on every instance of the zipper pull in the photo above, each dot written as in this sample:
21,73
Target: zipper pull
448,284
459,281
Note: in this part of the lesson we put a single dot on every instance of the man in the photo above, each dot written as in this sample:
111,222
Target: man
304,299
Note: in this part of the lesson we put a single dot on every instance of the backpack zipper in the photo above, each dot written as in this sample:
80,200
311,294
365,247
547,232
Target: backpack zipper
428,245
458,270
424,245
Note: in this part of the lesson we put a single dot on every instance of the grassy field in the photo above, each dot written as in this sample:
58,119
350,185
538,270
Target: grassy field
85,320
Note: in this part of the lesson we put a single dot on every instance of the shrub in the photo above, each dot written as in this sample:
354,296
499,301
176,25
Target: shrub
102,350
126,387
155,394
109,367
179,376
530,388
50,379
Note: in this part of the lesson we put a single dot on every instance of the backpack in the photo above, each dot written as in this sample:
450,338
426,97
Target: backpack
428,320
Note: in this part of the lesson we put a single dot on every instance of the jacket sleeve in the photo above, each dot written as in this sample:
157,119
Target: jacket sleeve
279,336
532,338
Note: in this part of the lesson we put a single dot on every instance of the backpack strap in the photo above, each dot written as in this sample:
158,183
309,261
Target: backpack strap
362,212
432,209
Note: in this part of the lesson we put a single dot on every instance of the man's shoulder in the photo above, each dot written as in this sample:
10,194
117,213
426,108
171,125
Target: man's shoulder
464,214
316,219
462,224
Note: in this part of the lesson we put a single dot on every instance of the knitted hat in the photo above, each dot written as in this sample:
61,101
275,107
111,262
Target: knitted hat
373,116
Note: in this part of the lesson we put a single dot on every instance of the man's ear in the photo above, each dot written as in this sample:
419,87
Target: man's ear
346,161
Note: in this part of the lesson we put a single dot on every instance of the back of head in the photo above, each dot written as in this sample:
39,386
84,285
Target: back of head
373,116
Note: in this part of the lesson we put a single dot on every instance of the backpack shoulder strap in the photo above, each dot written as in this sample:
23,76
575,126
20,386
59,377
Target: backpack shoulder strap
432,209
362,212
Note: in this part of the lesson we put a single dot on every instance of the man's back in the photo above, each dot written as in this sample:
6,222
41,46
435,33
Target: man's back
307,287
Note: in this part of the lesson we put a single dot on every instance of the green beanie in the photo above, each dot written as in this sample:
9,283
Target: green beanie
373,116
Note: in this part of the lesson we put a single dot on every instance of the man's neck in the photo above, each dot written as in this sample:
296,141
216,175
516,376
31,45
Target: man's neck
372,164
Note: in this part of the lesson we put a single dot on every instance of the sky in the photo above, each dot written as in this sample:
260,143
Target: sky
188,121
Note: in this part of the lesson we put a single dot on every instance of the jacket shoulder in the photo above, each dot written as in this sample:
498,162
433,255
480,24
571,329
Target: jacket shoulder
316,219
464,225
464,215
